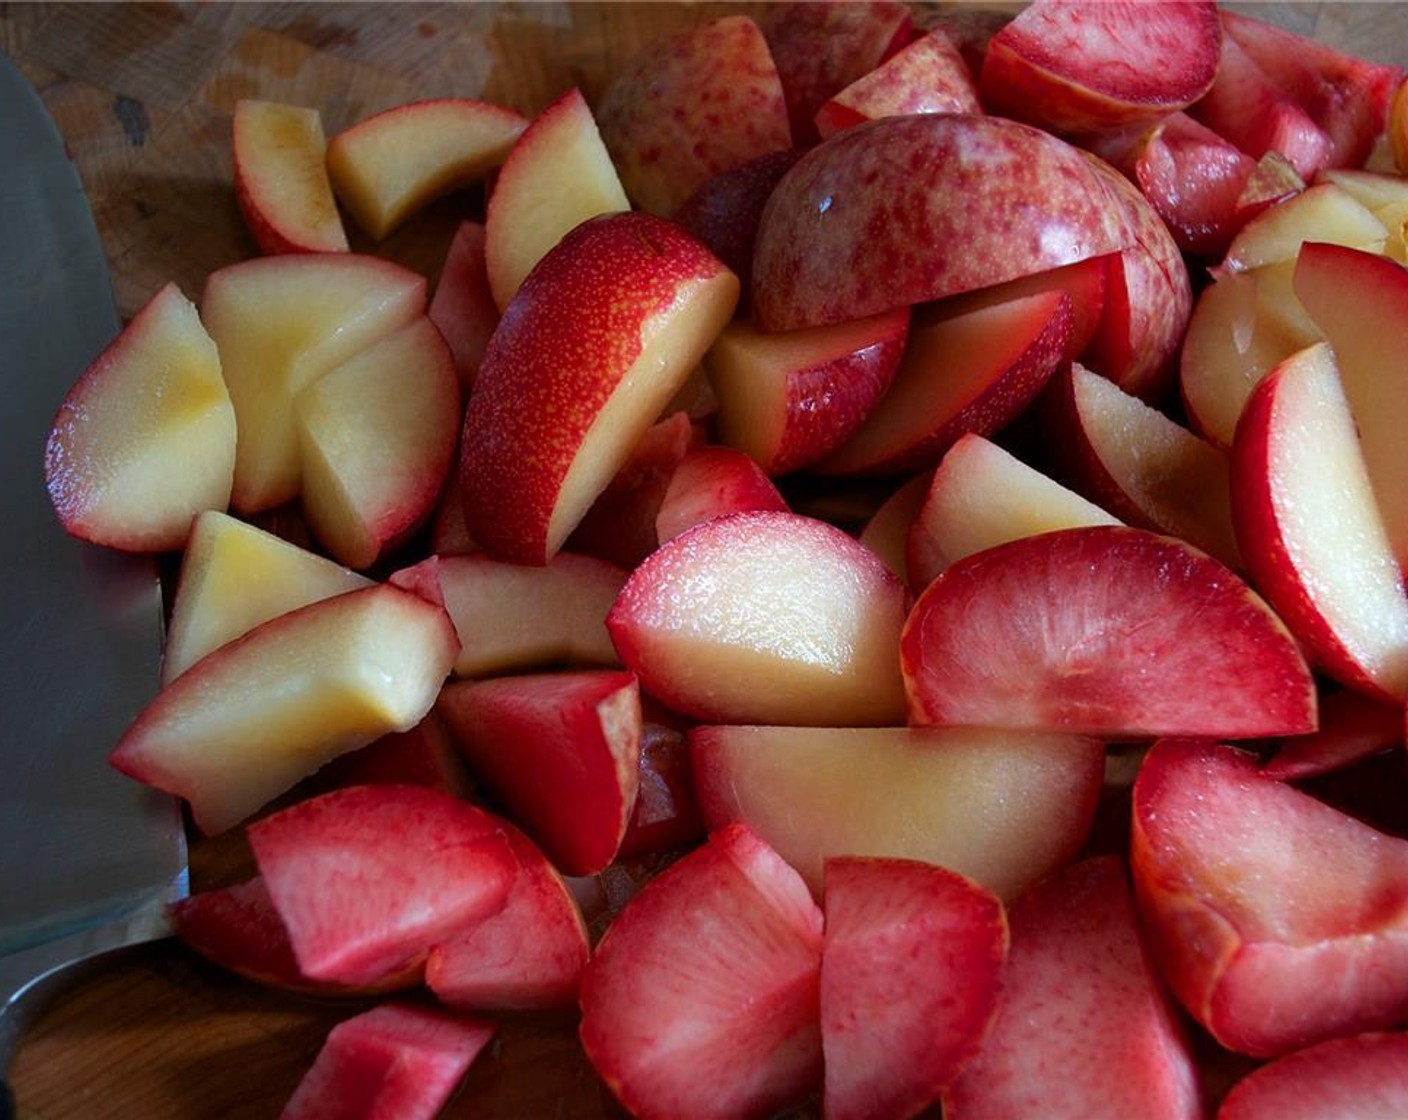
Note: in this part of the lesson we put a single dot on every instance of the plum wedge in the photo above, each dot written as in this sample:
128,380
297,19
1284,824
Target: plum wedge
997,200
1148,299
701,100
788,399
1134,461
928,75
512,617
1347,97
528,955
1277,920
820,49
238,928
725,211
145,439
463,306
971,363
233,577
593,346
1203,187
376,440
246,722
619,526
394,1062
1247,108
1103,630
1353,728
982,495
1003,808
1241,327
765,617
911,970
713,482
1084,1027
560,751
1323,212
557,175
1081,66
282,322
281,179
369,878
390,165
1359,299
710,977
1311,531
1362,1075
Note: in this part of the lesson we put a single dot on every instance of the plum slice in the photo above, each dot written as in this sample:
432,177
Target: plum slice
394,1062
238,928
1360,1075
1005,808
529,955
1313,535
1081,66
765,617
703,997
911,971
1084,1028
1103,630
369,877
1277,920
561,751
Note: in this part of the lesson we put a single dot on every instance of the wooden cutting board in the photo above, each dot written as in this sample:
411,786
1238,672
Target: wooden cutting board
143,95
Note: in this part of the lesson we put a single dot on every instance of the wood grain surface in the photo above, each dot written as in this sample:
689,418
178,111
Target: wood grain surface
143,95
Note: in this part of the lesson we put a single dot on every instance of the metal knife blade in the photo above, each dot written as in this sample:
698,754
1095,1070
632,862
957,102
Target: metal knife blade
88,858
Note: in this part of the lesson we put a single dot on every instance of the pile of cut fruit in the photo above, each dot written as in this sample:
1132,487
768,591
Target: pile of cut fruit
931,489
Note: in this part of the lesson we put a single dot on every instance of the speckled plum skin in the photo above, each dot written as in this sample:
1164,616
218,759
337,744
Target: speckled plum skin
567,339
1084,1027
1149,300
908,209
725,211
820,49
700,101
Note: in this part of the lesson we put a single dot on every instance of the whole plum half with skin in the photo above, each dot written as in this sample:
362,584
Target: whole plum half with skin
1148,299
908,209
